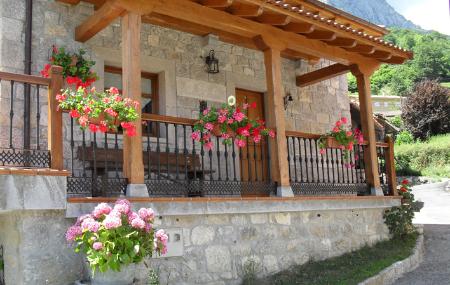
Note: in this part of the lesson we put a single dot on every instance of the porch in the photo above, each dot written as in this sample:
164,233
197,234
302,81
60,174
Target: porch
163,156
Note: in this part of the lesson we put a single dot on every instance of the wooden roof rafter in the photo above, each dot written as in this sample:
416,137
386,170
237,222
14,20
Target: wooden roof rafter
241,20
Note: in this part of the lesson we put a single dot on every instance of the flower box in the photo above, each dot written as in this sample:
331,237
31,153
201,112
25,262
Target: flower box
332,143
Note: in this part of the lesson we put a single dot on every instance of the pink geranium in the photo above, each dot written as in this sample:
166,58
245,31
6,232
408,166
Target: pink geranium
238,116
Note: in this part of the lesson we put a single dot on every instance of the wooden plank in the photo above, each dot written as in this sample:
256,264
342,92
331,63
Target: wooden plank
390,166
275,118
168,119
55,126
274,19
343,42
246,11
302,135
217,3
131,81
24,78
366,49
101,18
299,28
322,35
362,75
322,74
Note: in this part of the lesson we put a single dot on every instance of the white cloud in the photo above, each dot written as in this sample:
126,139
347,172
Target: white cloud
429,14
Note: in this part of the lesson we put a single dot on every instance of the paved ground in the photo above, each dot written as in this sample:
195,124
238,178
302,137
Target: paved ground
435,269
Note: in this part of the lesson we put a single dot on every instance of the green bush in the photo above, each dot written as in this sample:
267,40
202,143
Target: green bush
404,137
429,158
397,121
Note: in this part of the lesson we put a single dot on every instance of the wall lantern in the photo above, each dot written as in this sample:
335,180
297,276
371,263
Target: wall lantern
212,63
287,99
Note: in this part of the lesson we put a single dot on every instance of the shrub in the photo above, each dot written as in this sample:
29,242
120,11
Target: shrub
426,111
399,219
397,121
404,137
430,158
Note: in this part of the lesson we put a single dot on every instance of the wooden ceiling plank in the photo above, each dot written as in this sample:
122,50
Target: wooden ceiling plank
98,21
322,74
299,28
217,3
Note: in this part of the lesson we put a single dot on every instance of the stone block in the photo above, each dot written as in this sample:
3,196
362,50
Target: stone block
258,218
281,218
218,259
202,235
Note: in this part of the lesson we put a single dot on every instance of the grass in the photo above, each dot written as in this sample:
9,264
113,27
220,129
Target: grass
446,84
347,269
430,158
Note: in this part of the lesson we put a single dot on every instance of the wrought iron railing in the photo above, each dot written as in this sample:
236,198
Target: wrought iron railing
96,161
23,143
176,165
314,173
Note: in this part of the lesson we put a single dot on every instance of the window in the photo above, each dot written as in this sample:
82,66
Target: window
149,96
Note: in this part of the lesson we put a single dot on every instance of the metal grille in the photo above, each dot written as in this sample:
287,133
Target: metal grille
325,189
165,188
99,187
24,158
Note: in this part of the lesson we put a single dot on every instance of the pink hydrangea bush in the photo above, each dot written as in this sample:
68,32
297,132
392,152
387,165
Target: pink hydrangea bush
346,139
230,122
112,236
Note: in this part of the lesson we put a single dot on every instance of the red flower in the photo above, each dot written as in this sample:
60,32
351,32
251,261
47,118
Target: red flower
74,114
103,127
272,133
126,125
44,72
114,90
252,105
405,181
131,131
344,120
93,128
73,80
60,97
54,49
403,189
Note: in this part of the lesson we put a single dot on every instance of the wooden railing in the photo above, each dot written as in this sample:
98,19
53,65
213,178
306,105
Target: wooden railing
22,145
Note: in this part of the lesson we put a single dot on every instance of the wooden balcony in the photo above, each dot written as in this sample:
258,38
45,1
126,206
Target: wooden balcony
176,166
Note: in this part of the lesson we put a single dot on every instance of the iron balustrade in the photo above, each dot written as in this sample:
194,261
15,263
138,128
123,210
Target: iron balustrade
313,173
17,147
96,161
176,165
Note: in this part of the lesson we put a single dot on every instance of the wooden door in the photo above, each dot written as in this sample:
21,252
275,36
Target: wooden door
253,157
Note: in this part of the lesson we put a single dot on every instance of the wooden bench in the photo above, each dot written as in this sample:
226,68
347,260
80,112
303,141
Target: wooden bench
109,159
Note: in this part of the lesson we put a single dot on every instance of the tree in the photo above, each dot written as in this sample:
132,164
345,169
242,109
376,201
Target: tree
426,111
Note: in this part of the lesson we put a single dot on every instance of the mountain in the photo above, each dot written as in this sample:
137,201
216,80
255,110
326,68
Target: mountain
375,11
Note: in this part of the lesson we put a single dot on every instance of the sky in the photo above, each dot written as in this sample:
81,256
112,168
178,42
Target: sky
429,14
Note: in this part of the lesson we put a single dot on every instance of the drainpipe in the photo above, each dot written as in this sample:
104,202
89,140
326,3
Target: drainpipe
27,70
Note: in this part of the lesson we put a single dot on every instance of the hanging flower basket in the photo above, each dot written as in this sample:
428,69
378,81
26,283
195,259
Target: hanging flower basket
228,123
100,111
331,142
341,138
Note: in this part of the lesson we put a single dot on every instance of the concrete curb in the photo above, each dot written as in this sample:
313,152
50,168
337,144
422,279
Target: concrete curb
389,275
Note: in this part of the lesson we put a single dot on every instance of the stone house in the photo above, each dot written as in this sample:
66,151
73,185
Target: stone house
279,203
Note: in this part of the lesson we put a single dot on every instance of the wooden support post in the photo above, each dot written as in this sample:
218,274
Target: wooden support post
55,129
390,166
133,165
368,127
275,114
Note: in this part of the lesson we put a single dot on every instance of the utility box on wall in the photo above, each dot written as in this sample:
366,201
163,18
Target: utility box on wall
175,245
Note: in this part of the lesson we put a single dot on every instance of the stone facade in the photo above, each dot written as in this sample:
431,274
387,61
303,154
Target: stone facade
177,58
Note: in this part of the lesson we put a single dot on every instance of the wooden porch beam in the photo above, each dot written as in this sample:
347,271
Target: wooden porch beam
101,18
247,11
217,3
299,28
276,114
322,74
362,74
133,165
